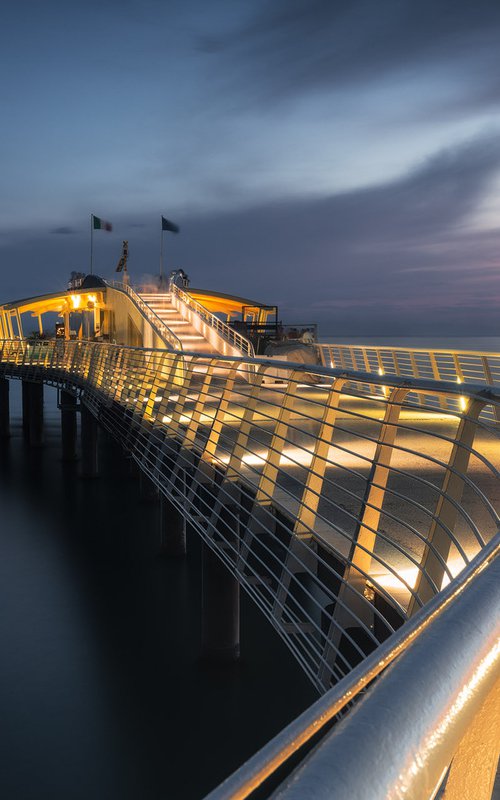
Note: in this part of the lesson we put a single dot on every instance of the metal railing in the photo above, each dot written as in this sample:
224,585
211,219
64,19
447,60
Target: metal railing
340,514
171,340
229,334
465,366
403,744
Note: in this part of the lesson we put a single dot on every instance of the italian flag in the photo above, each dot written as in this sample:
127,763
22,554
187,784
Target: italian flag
101,224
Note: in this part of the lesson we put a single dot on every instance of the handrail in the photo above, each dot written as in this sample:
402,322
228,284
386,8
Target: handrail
390,348
352,510
355,509
312,721
233,337
438,364
163,330
404,745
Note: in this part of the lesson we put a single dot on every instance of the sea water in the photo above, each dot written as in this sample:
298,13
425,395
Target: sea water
102,693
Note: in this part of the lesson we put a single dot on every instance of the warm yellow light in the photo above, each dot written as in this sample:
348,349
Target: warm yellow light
390,581
384,388
462,401
76,300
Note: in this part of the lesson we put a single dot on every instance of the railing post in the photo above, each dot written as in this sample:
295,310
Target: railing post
313,485
437,376
194,422
218,422
489,380
267,480
241,442
178,409
158,372
354,609
364,540
438,544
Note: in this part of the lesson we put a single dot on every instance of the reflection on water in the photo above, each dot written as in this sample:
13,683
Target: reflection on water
101,691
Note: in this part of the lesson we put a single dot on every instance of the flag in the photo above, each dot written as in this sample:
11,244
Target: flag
166,225
101,224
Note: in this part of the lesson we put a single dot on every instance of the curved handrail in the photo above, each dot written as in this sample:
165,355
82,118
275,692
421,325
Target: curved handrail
440,363
194,433
243,344
462,366
309,724
163,330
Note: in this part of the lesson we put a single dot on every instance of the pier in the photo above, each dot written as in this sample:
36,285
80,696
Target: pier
354,498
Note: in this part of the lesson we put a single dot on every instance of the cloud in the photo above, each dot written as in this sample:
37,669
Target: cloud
400,258
293,46
64,230
401,252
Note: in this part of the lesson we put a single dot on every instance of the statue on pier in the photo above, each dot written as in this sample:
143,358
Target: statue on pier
122,264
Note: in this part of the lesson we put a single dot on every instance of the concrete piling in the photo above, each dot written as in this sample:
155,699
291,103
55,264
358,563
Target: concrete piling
220,610
4,408
35,414
68,425
89,433
172,529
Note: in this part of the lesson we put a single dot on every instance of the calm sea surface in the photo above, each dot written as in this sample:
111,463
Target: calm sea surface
102,694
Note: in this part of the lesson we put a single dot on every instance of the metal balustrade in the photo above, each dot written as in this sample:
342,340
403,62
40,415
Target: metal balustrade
466,366
340,513
431,723
227,333
171,340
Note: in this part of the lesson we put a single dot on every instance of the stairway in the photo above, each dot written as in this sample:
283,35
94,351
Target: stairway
191,340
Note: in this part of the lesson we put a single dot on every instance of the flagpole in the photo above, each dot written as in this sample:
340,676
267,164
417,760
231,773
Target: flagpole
161,250
91,243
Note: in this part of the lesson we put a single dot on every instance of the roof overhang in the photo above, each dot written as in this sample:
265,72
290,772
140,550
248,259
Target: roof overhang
58,302
226,303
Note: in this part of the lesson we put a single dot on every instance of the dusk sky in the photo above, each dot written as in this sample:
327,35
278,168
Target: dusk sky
340,159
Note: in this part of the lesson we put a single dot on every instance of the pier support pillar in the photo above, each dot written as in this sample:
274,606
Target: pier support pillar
172,529
90,463
220,637
4,408
35,414
68,425
25,389
148,491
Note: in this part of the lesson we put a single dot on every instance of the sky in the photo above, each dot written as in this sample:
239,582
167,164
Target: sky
338,158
